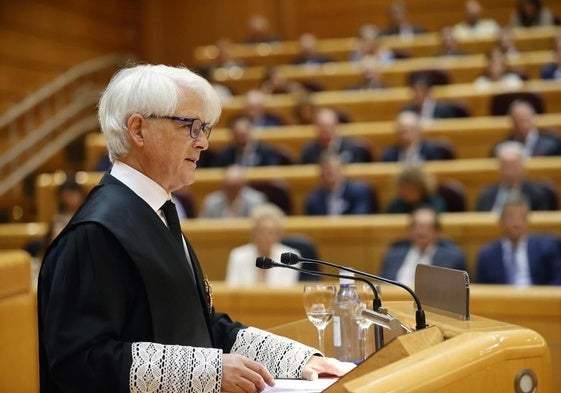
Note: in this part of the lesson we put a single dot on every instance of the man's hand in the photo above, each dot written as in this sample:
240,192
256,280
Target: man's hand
240,374
319,365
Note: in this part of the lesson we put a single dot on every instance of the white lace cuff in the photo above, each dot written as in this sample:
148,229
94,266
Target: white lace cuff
174,369
284,358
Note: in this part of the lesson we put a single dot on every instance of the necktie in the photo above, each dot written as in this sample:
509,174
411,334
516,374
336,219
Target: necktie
513,268
173,221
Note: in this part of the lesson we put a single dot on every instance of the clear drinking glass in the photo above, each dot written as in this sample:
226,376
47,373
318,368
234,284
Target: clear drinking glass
318,303
367,298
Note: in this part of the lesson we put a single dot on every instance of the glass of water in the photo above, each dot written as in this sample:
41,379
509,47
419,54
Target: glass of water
318,303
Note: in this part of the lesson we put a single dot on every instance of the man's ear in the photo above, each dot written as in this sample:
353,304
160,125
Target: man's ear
135,125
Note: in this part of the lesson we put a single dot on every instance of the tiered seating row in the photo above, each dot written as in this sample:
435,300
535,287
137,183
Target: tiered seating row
339,48
342,75
384,104
471,138
301,179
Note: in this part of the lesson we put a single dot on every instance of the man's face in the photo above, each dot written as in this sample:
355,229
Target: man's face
423,230
169,155
522,119
326,126
407,130
514,222
241,132
511,168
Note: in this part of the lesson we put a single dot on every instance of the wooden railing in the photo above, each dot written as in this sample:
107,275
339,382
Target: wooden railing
48,120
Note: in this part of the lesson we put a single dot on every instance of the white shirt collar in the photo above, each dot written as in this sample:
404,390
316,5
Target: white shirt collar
147,189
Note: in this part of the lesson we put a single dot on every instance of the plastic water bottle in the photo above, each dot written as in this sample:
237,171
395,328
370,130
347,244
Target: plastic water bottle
346,341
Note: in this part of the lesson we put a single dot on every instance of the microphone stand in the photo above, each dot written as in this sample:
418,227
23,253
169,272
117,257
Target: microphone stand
267,263
289,258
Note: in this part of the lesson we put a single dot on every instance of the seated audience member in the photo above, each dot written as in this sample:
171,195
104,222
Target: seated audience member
512,177
411,147
498,72
254,108
244,149
328,140
398,22
507,44
425,105
224,57
519,257
70,195
415,188
336,195
449,43
524,130
259,31
369,75
234,199
305,110
308,54
266,235
553,70
274,82
370,45
424,245
532,13
473,26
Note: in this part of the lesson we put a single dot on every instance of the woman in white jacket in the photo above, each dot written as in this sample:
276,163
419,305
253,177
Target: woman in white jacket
266,233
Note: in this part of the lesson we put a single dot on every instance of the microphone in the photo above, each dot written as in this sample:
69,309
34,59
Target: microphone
289,258
268,263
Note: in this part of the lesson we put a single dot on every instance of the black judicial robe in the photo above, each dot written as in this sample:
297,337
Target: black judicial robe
113,277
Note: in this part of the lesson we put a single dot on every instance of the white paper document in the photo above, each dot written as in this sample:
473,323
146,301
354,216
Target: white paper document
300,385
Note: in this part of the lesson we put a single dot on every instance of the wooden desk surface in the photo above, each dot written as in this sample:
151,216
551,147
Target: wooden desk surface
471,138
339,48
379,105
474,174
537,308
342,75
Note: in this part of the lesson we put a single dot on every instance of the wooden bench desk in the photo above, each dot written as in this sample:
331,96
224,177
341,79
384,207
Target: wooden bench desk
339,49
474,174
471,138
384,104
342,75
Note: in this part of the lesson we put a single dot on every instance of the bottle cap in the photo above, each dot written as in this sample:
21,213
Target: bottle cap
346,281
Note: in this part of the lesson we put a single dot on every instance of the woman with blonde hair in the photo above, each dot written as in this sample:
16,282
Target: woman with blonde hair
267,222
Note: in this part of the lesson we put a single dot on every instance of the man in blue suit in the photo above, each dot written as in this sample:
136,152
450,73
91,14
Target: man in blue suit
519,258
423,246
411,147
336,195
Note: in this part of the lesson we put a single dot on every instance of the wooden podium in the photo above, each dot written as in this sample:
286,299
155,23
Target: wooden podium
452,356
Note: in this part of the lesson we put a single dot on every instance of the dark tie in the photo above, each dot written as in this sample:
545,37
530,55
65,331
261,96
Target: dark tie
173,221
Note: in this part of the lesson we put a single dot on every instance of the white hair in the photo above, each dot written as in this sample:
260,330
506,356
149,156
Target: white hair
148,90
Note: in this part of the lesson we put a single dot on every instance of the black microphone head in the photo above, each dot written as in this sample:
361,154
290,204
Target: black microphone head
264,263
289,258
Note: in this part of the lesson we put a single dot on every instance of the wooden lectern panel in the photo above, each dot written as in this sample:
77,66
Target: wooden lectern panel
452,356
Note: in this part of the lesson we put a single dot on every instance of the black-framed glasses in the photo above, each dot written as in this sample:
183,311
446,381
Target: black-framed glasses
196,125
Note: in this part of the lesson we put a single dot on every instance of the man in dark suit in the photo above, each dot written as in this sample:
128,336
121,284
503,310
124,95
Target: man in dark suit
254,108
399,22
336,195
426,106
524,130
519,258
512,178
424,246
308,51
329,141
553,70
123,305
245,150
411,147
